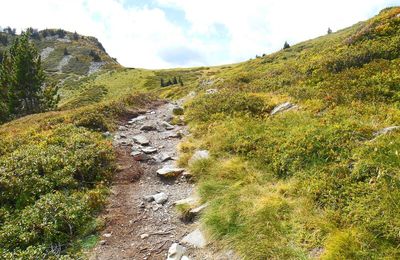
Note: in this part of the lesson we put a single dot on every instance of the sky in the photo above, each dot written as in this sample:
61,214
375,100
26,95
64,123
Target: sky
184,33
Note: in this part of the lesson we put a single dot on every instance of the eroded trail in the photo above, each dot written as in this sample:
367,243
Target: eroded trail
139,225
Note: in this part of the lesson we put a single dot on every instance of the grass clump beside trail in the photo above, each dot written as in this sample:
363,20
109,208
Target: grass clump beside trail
316,181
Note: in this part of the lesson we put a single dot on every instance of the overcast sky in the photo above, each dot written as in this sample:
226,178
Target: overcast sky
182,33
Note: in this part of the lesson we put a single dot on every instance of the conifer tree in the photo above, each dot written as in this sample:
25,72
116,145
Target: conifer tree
174,81
286,45
22,80
329,30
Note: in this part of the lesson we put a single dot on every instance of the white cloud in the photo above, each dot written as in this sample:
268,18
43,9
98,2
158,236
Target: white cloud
143,36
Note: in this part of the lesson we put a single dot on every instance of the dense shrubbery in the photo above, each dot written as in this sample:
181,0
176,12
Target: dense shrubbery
46,185
313,182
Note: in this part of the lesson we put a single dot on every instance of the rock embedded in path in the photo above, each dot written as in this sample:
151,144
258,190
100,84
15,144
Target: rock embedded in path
175,252
283,107
175,135
195,239
167,125
169,171
144,236
148,198
148,127
122,128
139,156
136,119
141,139
149,150
160,198
164,157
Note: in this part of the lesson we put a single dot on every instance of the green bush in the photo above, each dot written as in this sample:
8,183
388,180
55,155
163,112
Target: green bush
50,190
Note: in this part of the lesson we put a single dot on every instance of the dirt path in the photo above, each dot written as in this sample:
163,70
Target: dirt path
136,227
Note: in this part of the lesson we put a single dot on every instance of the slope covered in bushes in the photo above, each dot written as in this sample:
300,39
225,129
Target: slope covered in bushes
319,180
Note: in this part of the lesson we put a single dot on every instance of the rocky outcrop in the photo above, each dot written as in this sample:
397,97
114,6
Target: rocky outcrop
283,108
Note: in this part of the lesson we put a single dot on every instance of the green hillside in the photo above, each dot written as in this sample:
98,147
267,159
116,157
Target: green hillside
317,181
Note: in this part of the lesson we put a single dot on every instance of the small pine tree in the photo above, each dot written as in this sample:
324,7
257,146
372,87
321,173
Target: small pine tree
22,80
329,30
162,83
174,81
75,36
66,51
286,45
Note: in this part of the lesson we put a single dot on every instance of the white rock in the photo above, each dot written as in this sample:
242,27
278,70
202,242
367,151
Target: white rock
143,236
122,135
46,52
283,107
149,150
160,198
137,119
189,200
167,125
95,66
199,155
169,170
195,239
211,91
175,252
141,139
107,235
386,130
198,210
185,258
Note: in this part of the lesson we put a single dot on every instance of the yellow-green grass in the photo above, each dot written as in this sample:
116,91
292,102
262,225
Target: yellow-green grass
314,182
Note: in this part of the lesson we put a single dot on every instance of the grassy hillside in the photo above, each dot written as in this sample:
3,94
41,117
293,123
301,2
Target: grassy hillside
313,182
317,181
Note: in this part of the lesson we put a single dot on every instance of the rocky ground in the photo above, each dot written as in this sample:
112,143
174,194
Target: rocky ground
141,218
